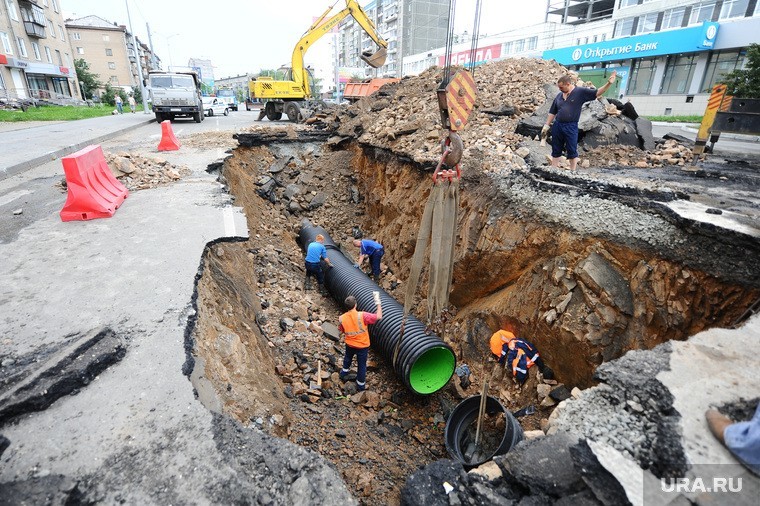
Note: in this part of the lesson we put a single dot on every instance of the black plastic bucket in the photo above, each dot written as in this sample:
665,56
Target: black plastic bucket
461,427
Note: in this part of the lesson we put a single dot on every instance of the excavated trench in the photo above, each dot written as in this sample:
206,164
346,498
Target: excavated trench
586,274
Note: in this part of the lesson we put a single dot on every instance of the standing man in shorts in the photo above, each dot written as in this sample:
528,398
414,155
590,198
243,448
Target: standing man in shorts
566,110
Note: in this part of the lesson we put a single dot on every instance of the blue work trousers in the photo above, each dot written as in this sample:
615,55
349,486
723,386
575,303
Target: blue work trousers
361,364
315,269
565,135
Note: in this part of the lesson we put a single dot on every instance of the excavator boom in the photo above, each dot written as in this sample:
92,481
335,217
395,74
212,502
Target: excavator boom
298,88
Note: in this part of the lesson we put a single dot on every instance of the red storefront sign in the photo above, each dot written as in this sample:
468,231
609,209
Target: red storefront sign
64,70
482,54
3,59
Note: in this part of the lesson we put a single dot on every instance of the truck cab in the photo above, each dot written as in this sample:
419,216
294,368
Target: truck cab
176,94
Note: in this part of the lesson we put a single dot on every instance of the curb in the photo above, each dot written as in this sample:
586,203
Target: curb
52,155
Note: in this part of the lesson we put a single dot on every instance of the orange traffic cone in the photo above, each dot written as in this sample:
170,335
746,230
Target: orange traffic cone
168,141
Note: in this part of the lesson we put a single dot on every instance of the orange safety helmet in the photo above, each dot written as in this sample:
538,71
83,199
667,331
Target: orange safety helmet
498,340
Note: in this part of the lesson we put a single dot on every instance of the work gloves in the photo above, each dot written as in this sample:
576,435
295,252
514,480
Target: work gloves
545,130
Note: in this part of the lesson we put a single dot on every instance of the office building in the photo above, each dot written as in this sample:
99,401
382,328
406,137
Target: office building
668,53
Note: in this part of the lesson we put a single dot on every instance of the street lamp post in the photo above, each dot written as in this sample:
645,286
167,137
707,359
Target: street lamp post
169,49
139,63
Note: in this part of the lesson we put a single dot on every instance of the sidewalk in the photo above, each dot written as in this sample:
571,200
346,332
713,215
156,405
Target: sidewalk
693,128
29,147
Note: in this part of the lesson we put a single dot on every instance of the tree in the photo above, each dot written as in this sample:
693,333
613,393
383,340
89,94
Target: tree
316,87
745,83
87,79
109,95
277,75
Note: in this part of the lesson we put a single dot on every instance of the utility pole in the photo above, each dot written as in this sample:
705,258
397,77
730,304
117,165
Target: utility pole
336,40
139,64
150,42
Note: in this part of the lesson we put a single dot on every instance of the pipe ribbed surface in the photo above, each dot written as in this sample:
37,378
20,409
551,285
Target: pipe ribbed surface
425,363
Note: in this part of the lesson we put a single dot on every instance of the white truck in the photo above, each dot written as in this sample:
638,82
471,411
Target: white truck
175,94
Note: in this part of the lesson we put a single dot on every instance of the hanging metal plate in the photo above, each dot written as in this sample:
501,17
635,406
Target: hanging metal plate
460,98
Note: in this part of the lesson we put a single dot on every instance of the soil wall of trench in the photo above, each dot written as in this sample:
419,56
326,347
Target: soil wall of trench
585,278
585,288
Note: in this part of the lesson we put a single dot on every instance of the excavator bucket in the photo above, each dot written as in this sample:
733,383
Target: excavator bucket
375,60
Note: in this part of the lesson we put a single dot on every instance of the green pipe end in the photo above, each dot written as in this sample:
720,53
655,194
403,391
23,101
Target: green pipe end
432,370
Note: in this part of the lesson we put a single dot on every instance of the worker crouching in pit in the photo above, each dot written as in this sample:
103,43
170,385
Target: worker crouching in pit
353,327
372,250
516,355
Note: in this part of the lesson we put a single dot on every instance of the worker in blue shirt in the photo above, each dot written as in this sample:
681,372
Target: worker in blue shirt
372,250
315,253
565,112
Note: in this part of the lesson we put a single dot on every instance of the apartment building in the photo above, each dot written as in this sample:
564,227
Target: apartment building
409,27
35,56
109,51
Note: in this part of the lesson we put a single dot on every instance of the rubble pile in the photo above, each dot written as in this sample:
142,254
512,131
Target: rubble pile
667,153
140,173
513,99
405,117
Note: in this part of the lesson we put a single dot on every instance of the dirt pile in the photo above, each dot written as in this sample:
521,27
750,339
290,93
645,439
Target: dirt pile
404,118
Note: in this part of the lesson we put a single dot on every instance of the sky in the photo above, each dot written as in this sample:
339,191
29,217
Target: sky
244,36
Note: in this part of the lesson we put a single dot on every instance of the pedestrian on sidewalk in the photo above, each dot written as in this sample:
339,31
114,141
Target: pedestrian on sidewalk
372,250
132,104
353,326
566,109
119,104
315,254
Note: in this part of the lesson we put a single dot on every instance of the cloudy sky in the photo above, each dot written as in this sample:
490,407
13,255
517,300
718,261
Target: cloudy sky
244,36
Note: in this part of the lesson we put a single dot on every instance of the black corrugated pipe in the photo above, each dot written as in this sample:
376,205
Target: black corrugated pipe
425,362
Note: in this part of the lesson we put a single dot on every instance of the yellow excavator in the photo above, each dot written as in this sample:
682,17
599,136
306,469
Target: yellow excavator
292,95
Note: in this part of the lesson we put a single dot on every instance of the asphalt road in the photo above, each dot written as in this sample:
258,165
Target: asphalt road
33,191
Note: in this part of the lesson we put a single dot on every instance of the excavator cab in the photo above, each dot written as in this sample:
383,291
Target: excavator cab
377,59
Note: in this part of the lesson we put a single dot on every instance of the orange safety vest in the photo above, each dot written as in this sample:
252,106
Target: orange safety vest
357,335
498,340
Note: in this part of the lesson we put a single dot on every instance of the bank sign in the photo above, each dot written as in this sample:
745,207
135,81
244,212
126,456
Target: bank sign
684,40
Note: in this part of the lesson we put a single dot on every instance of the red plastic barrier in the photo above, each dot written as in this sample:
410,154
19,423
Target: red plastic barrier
168,141
94,192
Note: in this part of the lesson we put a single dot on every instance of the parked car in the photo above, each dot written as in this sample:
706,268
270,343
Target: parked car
214,105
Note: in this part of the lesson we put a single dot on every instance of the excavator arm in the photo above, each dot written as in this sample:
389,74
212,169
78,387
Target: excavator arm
321,27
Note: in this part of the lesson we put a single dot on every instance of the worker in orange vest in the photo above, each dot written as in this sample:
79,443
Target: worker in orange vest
353,326
517,355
